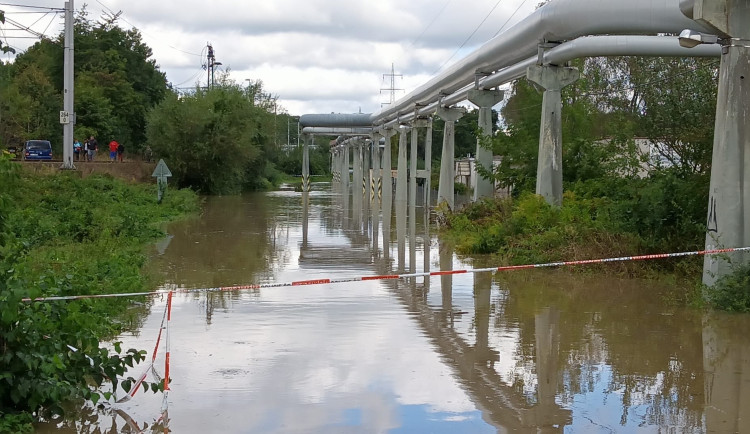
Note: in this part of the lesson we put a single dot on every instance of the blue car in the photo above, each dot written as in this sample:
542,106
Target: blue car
37,150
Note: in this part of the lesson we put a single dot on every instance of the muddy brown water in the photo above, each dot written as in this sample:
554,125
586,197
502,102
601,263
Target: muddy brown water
531,351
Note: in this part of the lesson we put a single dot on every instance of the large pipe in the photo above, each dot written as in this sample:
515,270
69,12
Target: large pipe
560,20
335,131
336,120
592,46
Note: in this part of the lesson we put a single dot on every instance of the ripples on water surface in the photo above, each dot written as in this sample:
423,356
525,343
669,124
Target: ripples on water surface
535,351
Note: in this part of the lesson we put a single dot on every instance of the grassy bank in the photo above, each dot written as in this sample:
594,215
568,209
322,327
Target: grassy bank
62,235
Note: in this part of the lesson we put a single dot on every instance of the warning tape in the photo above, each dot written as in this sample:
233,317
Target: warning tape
395,276
150,367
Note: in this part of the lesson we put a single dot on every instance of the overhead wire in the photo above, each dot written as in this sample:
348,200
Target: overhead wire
476,29
144,33
509,18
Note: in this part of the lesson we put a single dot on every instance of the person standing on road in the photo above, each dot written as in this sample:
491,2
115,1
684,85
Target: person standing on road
113,151
120,151
77,150
93,147
86,149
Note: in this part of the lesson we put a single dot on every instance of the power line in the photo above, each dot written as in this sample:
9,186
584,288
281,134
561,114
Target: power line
151,36
31,7
470,36
510,18
429,25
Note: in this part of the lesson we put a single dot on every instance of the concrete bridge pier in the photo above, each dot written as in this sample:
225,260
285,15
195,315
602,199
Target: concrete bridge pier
447,171
485,100
729,192
306,163
549,167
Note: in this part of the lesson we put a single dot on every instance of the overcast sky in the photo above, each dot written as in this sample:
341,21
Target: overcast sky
318,56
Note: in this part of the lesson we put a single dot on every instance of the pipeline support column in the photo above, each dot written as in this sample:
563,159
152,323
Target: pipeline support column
549,167
447,169
729,192
401,199
485,100
306,164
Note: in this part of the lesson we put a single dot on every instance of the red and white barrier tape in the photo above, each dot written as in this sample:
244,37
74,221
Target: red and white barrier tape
150,367
398,276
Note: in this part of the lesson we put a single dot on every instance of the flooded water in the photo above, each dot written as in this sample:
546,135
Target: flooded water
532,351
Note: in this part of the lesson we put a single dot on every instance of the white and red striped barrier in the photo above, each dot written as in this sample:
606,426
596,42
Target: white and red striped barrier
398,276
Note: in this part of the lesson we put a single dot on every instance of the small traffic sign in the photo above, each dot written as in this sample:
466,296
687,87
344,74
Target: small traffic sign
64,117
161,169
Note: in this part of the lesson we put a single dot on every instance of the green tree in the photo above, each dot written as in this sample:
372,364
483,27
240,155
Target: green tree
117,82
216,141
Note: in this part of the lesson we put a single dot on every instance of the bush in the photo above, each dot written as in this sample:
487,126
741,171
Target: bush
731,292
61,235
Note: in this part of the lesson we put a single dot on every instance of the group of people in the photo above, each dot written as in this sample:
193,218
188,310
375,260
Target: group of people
88,149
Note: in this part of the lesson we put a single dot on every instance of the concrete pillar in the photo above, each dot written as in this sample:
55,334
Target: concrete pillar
447,171
413,198
729,191
400,203
345,170
306,164
549,166
357,184
428,169
366,154
375,179
387,165
401,176
485,100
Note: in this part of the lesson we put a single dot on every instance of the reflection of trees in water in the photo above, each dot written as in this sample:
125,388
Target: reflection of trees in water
655,357
238,240
101,420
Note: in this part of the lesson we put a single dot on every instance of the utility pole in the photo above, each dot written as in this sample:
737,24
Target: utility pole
392,89
211,64
67,115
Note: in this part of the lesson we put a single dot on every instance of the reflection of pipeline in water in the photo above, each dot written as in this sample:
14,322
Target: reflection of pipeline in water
727,373
502,406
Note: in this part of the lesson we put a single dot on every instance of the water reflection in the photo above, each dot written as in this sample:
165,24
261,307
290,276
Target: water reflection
536,351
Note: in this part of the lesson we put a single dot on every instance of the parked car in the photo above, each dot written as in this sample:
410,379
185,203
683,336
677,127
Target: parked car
37,150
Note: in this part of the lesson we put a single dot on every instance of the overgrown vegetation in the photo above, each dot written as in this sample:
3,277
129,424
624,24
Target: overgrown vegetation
620,198
62,235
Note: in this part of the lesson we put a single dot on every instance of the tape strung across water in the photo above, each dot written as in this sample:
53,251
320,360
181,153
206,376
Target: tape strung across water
397,276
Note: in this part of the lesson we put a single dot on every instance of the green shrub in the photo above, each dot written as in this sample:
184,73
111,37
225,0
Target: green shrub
62,235
731,292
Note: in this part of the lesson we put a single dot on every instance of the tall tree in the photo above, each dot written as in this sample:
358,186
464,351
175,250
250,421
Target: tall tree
217,141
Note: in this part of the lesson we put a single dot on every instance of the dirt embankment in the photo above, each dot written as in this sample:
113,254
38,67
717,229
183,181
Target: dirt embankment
131,171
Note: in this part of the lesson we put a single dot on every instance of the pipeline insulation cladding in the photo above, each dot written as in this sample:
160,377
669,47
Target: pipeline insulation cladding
396,276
